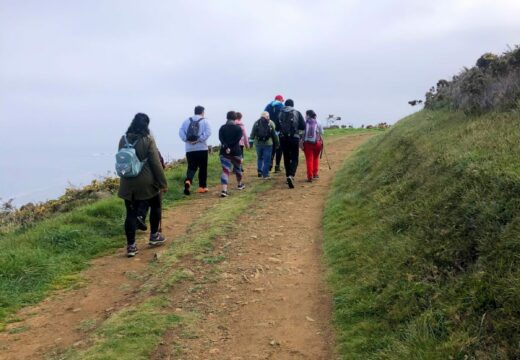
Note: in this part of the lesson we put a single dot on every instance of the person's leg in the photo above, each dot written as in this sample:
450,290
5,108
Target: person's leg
309,160
259,161
156,238
315,167
224,177
271,158
278,159
237,169
142,211
203,169
284,143
191,158
294,153
267,160
130,228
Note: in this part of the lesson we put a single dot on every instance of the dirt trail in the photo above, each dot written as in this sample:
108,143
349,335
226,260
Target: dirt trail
270,300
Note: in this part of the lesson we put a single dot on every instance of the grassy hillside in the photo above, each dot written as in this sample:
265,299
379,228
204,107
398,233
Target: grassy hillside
422,232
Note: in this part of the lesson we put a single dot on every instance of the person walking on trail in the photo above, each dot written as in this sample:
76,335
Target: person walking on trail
274,108
312,144
230,135
142,180
265,138
244,141
195,132
292,126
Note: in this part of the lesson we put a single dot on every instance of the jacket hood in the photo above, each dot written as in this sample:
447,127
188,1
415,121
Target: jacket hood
288,108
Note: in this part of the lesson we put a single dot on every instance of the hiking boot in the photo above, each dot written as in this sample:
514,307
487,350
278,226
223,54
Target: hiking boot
290,182
267,177
309,180
277,169
141,225
224,193
260,174
241,186
187,185
131,250
316,176
156,239
202,190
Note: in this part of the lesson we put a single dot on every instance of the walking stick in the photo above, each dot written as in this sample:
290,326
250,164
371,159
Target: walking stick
323,152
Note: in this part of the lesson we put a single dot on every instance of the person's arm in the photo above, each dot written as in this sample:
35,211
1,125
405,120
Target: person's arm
274,135
244,136
221,135
183,130
155,165
253,131
206,131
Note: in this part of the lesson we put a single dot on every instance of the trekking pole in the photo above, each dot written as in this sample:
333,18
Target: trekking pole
323,152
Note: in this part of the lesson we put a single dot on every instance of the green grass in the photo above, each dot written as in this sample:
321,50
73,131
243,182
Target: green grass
422,237
46,255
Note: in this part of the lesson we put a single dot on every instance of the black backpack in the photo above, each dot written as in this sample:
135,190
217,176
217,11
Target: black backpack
264,130
192,134
288,123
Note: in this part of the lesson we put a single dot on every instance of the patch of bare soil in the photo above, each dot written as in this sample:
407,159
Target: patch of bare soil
267,300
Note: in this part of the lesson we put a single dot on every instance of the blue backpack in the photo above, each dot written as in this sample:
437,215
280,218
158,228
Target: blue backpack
128,164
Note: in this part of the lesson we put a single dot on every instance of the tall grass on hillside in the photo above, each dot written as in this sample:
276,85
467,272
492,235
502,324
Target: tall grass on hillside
493,84
422,233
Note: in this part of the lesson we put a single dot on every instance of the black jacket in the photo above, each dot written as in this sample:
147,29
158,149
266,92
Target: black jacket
229,136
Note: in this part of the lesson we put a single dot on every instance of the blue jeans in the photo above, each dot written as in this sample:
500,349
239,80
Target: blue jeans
263,155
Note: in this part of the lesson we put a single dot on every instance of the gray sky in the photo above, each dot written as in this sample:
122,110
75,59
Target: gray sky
76,67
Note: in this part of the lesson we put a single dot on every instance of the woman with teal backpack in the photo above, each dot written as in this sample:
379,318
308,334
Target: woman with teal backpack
144,186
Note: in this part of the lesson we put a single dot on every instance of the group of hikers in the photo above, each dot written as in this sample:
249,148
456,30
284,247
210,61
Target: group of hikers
281,131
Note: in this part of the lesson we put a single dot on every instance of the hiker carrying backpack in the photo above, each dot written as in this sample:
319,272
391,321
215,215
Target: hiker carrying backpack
146,185
264,136
312,144
292,126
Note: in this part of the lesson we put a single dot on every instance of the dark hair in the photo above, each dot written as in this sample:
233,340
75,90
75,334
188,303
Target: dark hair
231,115
199,110
239,115
311,114
289,102
139,125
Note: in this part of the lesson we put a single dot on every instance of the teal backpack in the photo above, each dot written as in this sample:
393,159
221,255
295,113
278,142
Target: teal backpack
128,164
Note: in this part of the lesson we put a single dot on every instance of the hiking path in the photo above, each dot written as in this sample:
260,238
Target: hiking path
268,297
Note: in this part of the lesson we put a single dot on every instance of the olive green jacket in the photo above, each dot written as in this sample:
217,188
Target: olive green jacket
273,139
151,180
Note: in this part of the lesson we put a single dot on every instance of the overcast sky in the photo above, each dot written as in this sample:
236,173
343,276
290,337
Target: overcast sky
86,67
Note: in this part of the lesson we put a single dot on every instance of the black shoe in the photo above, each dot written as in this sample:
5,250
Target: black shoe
290,182
187,185
141,225
277,169
131,250
156,239
259,174
224,193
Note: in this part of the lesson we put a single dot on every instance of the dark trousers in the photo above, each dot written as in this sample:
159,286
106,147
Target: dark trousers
278,154
291,151
134,209
197,160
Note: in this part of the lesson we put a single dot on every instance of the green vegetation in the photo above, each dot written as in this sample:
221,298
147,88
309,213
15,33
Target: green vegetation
490,85
45,254
422,237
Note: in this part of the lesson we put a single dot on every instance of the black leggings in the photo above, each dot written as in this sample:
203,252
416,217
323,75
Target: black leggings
291,151
134,209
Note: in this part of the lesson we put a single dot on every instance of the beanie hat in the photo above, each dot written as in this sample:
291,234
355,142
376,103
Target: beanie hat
279,98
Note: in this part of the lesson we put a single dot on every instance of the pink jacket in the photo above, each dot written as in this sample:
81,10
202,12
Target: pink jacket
244,140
